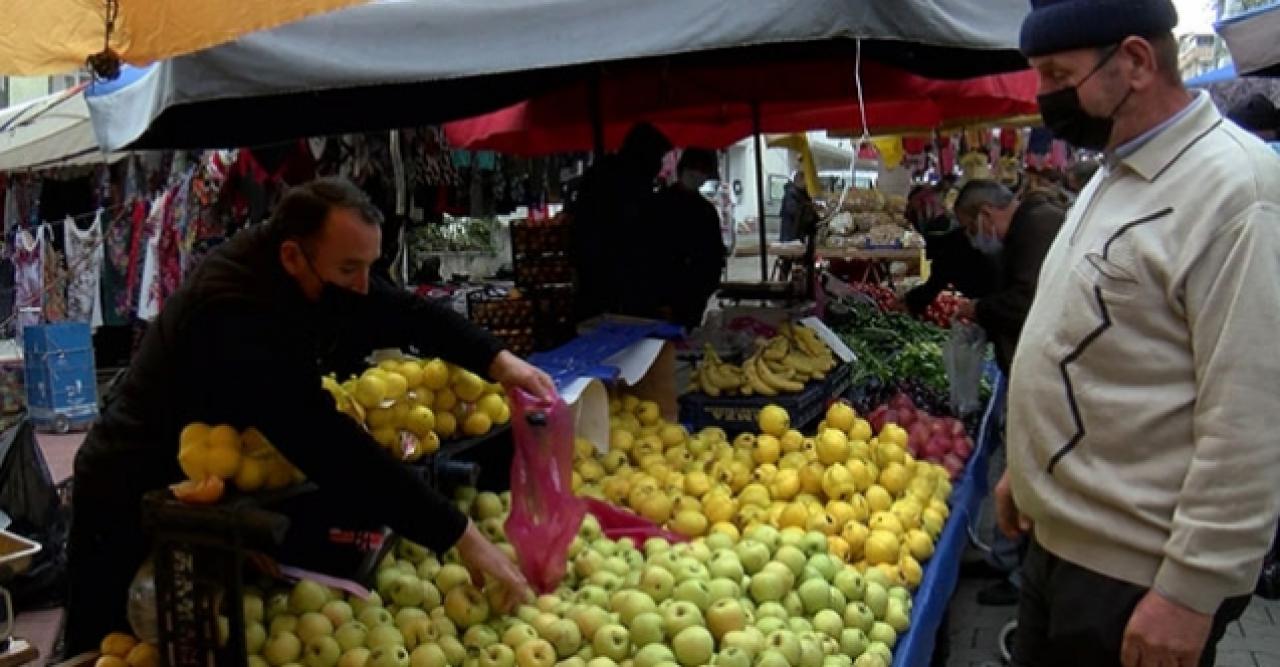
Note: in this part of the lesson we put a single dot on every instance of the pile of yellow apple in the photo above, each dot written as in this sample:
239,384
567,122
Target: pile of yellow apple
772,599
410,405
213,456
877,506
122,650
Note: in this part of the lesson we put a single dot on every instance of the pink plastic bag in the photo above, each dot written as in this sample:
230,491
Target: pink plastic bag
617,523
545,515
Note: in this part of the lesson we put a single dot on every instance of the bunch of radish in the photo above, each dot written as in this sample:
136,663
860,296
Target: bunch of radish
944,309
942,440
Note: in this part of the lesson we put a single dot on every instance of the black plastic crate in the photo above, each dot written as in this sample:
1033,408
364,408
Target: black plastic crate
737,414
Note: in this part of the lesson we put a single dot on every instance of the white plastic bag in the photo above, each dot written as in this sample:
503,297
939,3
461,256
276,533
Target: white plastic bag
965,355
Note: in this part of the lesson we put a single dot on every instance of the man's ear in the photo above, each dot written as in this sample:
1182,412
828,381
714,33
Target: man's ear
1140,55
292,258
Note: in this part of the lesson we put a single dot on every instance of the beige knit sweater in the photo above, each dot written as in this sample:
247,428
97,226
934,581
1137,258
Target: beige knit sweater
1144,410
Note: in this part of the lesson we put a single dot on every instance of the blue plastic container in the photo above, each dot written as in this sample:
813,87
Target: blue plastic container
61,378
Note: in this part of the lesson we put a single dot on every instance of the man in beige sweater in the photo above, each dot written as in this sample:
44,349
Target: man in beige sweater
1145,395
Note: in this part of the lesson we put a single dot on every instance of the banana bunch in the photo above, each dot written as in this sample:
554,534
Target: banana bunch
780,364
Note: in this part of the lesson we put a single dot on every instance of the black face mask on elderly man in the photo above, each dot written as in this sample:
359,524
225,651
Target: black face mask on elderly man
1067,119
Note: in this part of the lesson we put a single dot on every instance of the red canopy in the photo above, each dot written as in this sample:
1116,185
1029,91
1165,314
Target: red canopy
711,106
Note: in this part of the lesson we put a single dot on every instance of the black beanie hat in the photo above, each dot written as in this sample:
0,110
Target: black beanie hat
1054,26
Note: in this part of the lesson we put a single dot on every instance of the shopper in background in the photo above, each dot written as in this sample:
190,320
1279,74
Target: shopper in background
1078,176
798,213
685,257
1143,406
953,261
1258,115
607,216
244,342
1015,234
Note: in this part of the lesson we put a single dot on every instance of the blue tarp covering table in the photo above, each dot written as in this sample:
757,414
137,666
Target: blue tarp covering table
585,355
942,571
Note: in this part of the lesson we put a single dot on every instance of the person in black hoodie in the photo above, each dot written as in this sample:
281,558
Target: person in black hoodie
244,342
953,261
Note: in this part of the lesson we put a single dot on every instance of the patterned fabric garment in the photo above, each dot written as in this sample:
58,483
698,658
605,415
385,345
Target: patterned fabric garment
116,296
55,279
85,256
28,263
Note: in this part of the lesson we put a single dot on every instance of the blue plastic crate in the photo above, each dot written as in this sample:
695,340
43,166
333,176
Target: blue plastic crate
60,375
60,336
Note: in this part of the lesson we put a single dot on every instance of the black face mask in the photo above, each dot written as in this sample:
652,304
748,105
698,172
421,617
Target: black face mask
1068,121
336,303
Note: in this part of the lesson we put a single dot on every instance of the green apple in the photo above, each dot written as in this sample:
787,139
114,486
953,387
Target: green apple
373,617
565,636
389,656
752,554
858,615
838,600
497,655
811,572
358,605
406,566
443,626
479,636
814,543
792,557
815,594
870,660
450,576
791,535
338,612
313,624
828,623
617,565
839,660
724,589
542,623
850,582
282,623
576,547
669,560
726,616
657,583
321,651
487,505
694,590
718,541
811,654
647,628
602,662
255,636
726,564
629,604
793,604
633,558
408,591
653,655
767,587
799,625
453,649
282,648
466,605
690,569
831,645
693,646
772,610
853,641
881,649
788,577
428,655
770,624
877,598
680,615
896,616
548,603
588,563
384,579
406,614
825,564
605,546
786,643
589,619
590,528
584,654
772,658
418,631
410,551
744,640
612,642
574,661
359,657
351,635
605,579
765,534
384,635
517,634
428,569
254,611
882,632
593,596
655,545
537,653
732,656
307,596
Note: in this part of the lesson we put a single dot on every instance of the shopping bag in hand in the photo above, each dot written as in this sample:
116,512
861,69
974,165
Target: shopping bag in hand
545,515
965,356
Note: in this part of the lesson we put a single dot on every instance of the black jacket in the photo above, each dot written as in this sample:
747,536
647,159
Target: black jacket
677,262
953,261
1003,312
239,344
798,217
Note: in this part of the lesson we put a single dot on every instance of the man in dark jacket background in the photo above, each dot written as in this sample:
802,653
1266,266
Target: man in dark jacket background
245,342
953,261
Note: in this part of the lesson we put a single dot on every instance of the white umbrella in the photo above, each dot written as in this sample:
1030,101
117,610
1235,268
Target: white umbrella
48,132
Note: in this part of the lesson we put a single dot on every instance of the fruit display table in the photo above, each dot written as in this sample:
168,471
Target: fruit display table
915,648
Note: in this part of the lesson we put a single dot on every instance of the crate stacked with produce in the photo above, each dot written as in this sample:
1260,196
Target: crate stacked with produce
507,314
540,258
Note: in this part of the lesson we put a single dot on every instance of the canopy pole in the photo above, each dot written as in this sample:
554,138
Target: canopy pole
764,237
597,116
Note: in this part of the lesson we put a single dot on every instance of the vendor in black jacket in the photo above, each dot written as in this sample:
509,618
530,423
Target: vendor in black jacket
244,342
1015,234
953,261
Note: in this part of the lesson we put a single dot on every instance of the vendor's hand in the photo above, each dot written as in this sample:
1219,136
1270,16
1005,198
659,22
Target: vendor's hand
1011,522
487,562
511,372
1163,632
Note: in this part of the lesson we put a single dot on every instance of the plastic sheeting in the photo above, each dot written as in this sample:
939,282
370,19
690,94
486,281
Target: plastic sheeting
389,64
1251,38
56,36
52,131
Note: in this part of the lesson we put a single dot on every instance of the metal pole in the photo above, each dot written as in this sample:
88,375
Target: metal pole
764,237
597,116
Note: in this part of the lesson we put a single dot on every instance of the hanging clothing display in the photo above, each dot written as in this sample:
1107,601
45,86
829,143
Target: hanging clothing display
28,267
85,255
149,279
55,278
